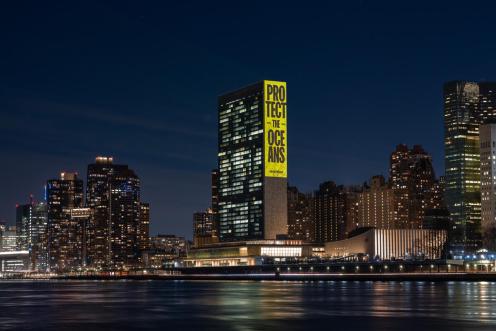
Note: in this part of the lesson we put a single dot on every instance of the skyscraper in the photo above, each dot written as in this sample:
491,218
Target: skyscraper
113,193
329,211
62,195
32,232
253,162
466,106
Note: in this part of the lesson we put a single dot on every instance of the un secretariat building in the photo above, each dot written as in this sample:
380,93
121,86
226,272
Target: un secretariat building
252,162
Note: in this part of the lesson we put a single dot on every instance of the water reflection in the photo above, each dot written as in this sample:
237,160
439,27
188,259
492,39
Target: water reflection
247,305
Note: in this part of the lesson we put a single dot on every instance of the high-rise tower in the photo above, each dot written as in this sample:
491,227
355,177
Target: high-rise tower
252,162
63,241
466,106
113,193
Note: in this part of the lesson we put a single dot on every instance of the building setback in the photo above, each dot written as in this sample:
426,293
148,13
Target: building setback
252,162
466,106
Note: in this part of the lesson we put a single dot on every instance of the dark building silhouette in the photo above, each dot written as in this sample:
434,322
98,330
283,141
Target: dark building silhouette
64,245
329,210
439,219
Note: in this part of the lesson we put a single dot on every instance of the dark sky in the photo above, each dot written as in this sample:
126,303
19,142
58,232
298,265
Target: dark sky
140,82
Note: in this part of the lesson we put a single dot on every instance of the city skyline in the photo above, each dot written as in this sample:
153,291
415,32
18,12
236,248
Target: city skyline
174,150
262,165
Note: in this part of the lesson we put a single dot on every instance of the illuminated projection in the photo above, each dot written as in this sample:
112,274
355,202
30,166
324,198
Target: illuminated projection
275,131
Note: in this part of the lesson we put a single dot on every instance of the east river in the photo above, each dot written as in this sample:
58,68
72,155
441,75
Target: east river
247,305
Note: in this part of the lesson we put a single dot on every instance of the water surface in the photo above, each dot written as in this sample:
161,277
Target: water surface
247,305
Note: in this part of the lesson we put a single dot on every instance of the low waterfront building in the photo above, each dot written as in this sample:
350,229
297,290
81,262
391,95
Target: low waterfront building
248,253
171,244
158,259
390,244
165,250
14,261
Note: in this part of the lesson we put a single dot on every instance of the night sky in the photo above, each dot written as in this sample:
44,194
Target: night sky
140,83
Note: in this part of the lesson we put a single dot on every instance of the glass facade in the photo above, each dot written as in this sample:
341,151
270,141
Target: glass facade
466,106
281,251
31,227
240,164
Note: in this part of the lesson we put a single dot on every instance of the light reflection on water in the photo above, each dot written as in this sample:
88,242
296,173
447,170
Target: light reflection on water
247,305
